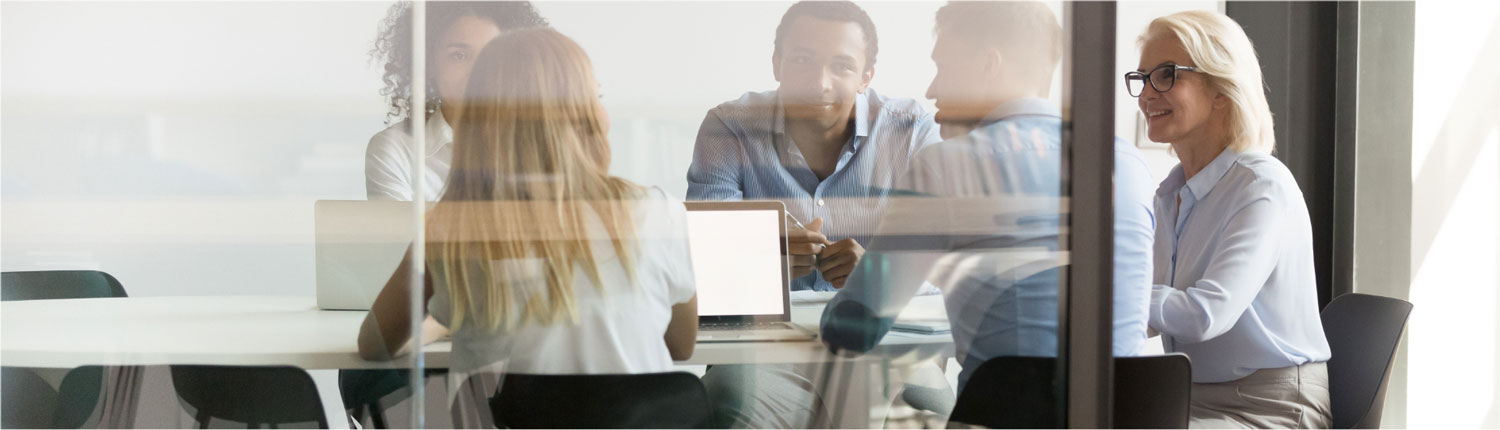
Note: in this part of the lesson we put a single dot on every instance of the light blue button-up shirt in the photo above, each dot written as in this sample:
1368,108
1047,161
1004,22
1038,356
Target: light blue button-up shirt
742,153
979,218
1235,288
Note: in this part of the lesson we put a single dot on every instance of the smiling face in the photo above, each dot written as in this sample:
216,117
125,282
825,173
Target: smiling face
1190,111
821,67
454,52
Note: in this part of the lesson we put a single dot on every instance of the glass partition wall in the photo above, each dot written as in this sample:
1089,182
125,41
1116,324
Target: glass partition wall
259,176
210,158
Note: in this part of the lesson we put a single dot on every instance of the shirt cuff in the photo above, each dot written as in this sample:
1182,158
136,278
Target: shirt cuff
1159,294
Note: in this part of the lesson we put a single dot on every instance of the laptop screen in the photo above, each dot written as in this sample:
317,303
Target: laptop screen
738,263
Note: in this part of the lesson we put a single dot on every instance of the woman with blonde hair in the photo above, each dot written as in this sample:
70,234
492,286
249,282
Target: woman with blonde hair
535,254
1234,283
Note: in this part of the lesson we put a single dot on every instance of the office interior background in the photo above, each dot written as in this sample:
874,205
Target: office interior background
179,146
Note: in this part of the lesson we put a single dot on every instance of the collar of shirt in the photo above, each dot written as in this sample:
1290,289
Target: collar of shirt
1203,182
439,133
861,120
1020,107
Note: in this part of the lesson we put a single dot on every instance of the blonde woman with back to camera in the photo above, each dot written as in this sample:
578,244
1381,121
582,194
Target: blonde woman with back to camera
536,255
1234,286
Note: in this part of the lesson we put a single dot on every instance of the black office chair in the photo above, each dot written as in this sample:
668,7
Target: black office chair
1363,331
31,402
1022,392
1010,392
79,392
1153,392
58,284
251,395
363,391
652,400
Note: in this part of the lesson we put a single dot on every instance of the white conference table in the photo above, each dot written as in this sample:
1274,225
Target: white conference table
292,331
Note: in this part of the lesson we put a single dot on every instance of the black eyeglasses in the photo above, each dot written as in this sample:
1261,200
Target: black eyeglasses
1162,79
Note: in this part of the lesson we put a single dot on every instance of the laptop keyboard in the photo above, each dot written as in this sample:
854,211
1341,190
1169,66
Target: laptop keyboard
767,325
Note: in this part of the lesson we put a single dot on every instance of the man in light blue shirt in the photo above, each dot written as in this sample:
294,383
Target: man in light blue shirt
823,142
829,147
979,213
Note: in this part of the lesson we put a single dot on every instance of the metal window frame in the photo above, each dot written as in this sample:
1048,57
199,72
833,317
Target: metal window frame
1086,291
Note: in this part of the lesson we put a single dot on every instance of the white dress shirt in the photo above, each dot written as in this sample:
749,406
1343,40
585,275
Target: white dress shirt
1234,283
388,161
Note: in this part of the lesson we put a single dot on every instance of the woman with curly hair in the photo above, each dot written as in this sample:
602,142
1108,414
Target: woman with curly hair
456,32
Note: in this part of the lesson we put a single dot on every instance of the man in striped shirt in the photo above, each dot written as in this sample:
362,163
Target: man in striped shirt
824,143
830,148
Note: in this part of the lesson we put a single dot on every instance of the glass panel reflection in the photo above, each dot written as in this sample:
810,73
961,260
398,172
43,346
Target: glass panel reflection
486,210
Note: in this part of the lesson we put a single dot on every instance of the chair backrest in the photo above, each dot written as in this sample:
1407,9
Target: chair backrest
1022,392
58,284
651,400
251,395
1153,392
1010,392
29,400
1363,332
73,403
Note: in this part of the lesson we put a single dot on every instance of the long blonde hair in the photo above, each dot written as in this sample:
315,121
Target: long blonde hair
1223,53
530,167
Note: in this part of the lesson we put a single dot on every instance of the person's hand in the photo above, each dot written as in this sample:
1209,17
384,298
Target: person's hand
804,245
837,261
432,330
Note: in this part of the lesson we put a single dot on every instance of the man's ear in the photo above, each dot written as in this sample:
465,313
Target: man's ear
993,62
776,66
864,83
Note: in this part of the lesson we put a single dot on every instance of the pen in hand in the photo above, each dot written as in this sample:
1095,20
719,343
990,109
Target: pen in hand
809,252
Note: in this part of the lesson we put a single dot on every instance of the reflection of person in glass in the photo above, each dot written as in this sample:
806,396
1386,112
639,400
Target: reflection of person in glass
978,215
824,142
583,272
456,31
1234,286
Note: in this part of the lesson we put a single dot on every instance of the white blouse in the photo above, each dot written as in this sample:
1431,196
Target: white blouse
388,161
1234,283
620,327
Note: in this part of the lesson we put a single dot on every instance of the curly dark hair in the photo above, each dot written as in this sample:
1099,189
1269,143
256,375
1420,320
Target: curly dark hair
393,43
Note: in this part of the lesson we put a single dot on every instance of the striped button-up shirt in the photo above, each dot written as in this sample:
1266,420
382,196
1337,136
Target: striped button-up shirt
743,153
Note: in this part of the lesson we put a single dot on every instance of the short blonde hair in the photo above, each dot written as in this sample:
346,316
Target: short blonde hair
1223,53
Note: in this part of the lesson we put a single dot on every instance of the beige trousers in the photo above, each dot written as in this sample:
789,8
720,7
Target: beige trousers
1289,397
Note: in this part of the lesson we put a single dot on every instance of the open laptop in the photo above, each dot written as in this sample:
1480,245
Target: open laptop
742,273
358,245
